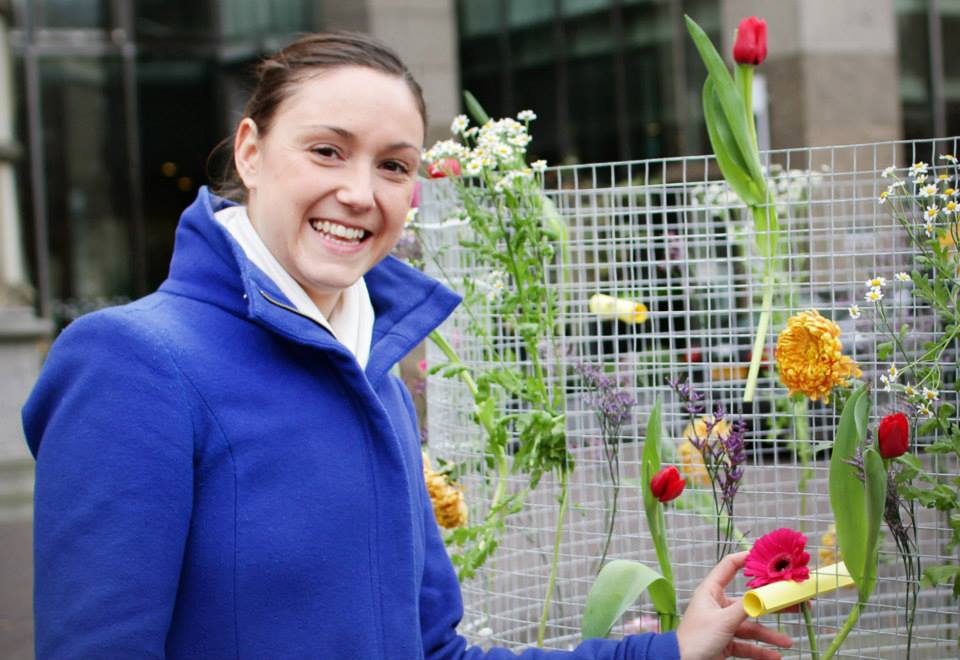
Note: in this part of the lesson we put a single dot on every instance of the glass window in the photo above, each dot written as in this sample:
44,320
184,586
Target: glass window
86,168
71,14
169,19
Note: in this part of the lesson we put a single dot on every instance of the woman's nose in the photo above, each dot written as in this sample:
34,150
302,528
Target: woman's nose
356,189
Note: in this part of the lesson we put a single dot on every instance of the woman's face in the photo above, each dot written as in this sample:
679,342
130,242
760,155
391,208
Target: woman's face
329,185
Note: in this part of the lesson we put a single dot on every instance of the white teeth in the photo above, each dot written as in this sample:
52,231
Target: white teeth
338,231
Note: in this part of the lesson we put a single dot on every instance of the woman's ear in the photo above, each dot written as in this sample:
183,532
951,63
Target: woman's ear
246,152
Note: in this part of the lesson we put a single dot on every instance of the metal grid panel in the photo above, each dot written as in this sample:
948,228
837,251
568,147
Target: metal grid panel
664,233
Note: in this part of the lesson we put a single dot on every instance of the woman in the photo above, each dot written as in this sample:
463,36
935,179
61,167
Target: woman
227,468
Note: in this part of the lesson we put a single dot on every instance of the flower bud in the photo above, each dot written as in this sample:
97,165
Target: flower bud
666,484
751,44
893,435
444,168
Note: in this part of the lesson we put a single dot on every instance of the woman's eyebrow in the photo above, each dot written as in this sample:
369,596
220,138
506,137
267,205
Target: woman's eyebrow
349,135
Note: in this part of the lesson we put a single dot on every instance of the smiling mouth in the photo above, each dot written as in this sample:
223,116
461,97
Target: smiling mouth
339,233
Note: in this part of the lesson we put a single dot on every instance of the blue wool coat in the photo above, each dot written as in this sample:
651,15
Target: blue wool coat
218,478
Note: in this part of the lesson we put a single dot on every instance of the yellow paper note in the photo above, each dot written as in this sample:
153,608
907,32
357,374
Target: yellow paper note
779,595
610,307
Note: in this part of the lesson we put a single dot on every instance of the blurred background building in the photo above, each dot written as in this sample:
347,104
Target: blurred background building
110,109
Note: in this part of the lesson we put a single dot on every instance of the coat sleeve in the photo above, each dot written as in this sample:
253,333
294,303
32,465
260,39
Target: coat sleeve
441,609
112,434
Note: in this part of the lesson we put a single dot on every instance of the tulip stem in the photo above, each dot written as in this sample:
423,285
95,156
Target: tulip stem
760,339
542,627
848,625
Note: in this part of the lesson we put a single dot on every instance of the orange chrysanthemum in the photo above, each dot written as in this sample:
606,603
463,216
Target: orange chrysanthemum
809,356
448,506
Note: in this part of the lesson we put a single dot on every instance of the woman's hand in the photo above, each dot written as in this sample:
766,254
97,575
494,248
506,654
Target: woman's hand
713,624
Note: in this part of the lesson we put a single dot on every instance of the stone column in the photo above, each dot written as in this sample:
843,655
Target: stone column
831,70
424,33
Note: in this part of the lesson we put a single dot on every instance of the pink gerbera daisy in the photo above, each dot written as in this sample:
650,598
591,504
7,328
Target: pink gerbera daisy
778,556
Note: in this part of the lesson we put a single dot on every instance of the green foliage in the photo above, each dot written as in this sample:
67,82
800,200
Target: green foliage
616,588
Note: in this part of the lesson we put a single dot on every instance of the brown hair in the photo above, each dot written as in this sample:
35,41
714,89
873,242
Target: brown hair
279,74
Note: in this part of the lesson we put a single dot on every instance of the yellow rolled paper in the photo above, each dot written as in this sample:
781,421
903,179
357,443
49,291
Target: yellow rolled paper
779,595
610,307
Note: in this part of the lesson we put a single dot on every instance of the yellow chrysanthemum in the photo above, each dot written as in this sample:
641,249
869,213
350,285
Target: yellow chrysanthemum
809,356
829,553
691,464
448,506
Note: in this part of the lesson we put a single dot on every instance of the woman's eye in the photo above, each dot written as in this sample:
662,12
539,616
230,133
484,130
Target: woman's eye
325,152
396,166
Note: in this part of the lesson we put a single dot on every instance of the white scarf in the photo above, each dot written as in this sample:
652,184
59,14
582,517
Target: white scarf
351,321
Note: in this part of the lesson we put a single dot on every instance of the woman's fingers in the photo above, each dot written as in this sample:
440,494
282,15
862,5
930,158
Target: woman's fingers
760,633
743,650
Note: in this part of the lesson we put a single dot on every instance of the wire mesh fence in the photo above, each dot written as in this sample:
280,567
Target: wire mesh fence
667,234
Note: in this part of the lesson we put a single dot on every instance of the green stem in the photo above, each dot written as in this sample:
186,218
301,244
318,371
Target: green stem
746,91
811,633
801,432
542,627
761,337
848,625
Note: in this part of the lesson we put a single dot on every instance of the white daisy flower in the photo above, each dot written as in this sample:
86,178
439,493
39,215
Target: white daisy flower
539,165
519,140
883,196
854,311
526,115
902,276
886,383
950,207
910,391
411,215
927,191
918,168
930,395
931,213
473,166
920,180
888,172
876,282
925,411
950,158
893,372
459,124
873,295
928,228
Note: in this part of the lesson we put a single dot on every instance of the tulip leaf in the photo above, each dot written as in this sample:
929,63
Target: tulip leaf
616,588
725,148
875,488
766,226
728,95
650,465
474,109
846,490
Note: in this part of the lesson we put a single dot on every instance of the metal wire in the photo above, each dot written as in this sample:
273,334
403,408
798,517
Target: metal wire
666,234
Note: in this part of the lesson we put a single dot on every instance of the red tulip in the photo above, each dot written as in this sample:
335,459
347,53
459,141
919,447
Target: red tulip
751,45
666,484
893,435
444,168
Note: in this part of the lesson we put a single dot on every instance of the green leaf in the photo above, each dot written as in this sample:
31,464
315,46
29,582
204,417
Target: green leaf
875,489
729,97
616,588
846,491
937,575
725,148
474,109
884,350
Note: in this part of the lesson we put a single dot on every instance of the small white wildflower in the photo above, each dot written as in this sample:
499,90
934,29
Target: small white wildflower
909,390
918,168
930,395
539,165
888,172
854,311
876,282
873,295
459,124
526,115
519,140
927,191
886,382
883,196
474,166
950,158
928,228
896,185
485,632
920,180
944,177
503,151
893,372
470,132
931,213
902,276
950,207
411,215
925,411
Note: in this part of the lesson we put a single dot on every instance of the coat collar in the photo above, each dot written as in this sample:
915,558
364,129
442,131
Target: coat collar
210,266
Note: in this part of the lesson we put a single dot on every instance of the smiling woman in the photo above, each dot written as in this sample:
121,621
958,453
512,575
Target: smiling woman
228,467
